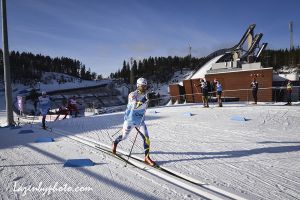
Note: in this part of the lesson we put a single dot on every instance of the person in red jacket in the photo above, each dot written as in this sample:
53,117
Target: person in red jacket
72,106
63,110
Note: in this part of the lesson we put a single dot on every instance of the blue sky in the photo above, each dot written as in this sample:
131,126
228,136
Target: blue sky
103,33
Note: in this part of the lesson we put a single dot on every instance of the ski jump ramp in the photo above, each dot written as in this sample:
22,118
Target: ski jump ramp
221,54
207,66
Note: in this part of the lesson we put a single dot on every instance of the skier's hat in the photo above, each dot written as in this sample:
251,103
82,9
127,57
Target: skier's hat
141,82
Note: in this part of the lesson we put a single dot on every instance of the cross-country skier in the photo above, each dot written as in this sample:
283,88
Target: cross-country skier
134,118
44,106
62,110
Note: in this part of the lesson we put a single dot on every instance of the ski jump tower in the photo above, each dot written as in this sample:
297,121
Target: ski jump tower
235,68
240,65
236,56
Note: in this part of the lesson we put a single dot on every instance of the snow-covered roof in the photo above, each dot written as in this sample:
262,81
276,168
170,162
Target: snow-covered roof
286,76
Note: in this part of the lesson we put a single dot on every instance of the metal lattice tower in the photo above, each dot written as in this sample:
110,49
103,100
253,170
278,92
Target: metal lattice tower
291,42
291,35
190,50
190,56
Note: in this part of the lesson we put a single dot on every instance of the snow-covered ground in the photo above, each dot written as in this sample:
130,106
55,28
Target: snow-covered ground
76,83
255,159
163,88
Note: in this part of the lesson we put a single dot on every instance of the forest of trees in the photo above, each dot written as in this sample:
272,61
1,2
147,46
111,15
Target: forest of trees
279,58
28,66
160,69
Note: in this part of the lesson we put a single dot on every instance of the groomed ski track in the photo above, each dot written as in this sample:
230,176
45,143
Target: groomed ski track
251,158
204,190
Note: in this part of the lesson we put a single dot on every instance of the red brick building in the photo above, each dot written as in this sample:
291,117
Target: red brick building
235,82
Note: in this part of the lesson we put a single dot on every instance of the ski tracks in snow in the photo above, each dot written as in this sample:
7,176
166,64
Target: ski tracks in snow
238,156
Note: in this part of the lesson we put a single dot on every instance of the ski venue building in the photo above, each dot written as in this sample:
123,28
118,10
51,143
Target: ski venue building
234,68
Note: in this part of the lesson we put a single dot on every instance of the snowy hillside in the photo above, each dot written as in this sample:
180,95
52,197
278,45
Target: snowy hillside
177,78
52,81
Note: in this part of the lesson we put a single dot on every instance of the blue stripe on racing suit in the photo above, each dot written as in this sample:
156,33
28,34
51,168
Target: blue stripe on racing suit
136,108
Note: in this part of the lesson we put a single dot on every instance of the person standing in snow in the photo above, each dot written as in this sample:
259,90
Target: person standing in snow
289,88
254,86
219,90
134,118
44,106
204,88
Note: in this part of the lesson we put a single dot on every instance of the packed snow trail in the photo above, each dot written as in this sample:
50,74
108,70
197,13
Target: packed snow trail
28,164
208,146
202,189
258,158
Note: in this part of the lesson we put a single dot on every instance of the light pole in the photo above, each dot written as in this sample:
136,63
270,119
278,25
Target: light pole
7,81
190,56
291,42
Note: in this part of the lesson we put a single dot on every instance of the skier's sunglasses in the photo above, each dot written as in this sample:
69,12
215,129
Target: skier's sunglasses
143,86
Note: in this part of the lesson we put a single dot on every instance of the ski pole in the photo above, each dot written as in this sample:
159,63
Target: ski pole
108,135
117,132
131,149
136,134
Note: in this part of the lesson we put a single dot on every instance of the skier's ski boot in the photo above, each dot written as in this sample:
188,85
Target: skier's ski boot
148,161
114,148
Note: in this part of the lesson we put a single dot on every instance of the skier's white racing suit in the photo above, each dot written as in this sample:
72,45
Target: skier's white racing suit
135,117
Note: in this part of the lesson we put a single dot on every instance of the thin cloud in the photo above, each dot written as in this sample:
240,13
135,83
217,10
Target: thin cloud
44,34
140,47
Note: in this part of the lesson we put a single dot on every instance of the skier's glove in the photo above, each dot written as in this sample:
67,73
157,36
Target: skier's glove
138,104
145,98
142,101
